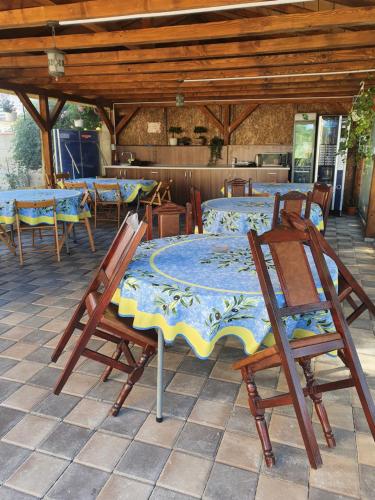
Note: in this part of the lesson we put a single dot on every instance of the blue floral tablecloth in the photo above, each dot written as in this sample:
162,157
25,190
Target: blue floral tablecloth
239,215
67,206
204,287
129,187
282,187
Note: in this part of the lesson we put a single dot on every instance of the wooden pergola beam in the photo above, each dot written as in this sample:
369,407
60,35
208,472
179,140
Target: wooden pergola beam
34,113
242,117
54,115
46,139
125,120
106,119
213,118
268,25
38,16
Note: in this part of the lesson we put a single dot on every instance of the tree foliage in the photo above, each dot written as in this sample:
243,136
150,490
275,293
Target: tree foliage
26,143
73,112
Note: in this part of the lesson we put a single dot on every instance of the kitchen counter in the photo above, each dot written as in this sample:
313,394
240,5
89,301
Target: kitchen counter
209,180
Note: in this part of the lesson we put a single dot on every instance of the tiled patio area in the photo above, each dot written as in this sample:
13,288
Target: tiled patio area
66,447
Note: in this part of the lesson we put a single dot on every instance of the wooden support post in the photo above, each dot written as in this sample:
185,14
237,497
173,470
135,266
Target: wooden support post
212,118
47,154
109,121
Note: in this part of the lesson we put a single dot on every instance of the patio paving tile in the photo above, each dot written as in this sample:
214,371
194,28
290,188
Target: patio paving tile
367,483
46,377
196,366
56,406
30,431
339,475
240,451
123,488
141,398
199,440
224,392
6,363
127,423
8,418
185,473
25,398
163,434
189,385
229,482
163,494
268,487
19,350
291,464
37,474
7,387
23,371
177,405
79,384
210,413
10,494
88,413
11,457
143,461
78,481
65,441
317,494
17,332
102,451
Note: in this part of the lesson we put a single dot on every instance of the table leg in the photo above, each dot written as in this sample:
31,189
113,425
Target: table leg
159,380
66,238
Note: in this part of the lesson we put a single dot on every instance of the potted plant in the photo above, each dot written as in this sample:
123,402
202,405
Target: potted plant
216,145
9,109
361,120
199,138
174,131
77,117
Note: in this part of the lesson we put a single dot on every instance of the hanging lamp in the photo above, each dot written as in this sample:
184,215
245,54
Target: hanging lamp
55,56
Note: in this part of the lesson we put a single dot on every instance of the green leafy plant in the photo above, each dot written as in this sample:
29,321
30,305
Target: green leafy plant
175,130
200,130
216,146
7,105
361,120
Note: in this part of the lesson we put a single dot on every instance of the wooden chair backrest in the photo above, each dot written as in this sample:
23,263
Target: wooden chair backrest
75,185
35,204
165,190
293,202
107,187
62,176
322,196
237,187
168,216
196,205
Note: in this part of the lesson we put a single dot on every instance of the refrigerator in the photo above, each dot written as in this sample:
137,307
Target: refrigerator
76,152
331,155
304,138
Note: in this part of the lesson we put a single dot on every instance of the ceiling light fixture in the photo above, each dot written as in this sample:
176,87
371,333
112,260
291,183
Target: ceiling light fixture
180,100
55,56
288,75
198,10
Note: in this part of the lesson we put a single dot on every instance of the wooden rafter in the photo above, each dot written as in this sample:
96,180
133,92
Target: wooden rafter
268,25
242,117
55,113
125,120
34,113
213,118
106,119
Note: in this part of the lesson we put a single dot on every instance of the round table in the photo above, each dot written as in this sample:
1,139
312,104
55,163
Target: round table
129,187
281,187
204,287
67,206
239,215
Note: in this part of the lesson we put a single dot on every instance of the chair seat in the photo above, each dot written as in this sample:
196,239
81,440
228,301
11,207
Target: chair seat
123,327
308,347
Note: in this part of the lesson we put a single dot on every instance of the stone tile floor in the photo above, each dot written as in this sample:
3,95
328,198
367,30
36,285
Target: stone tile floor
66,447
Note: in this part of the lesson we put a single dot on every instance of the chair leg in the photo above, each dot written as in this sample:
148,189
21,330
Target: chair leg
57,243
69,330
318,402
89,233
258,414
133,377
95,213
116,355
73,359
20,244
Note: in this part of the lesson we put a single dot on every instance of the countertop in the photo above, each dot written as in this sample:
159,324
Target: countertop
198,167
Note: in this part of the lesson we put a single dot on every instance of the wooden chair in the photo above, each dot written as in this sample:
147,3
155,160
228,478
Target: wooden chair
103,320
322,196
348,285
49,181
161,193
196,204
62,177
49,205
288,250
100,202
6,239
293,202
168,216
237,187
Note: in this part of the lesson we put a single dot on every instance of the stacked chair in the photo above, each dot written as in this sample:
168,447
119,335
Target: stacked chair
322,196
160,194
237,187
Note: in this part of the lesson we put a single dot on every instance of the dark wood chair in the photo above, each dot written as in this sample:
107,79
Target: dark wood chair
160,194
107,206
104,322
169,219
237,187
288,249
322,196
348,285
196,205
293,202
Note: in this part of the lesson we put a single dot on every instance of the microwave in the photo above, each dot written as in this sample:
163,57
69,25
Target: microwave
273,159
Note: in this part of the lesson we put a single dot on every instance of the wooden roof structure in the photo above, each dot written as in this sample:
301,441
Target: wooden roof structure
128,54
137,52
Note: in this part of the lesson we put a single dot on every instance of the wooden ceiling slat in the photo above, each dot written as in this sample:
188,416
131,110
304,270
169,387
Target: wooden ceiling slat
268,25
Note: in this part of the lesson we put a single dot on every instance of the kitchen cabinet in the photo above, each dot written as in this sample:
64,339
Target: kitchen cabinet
272,175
